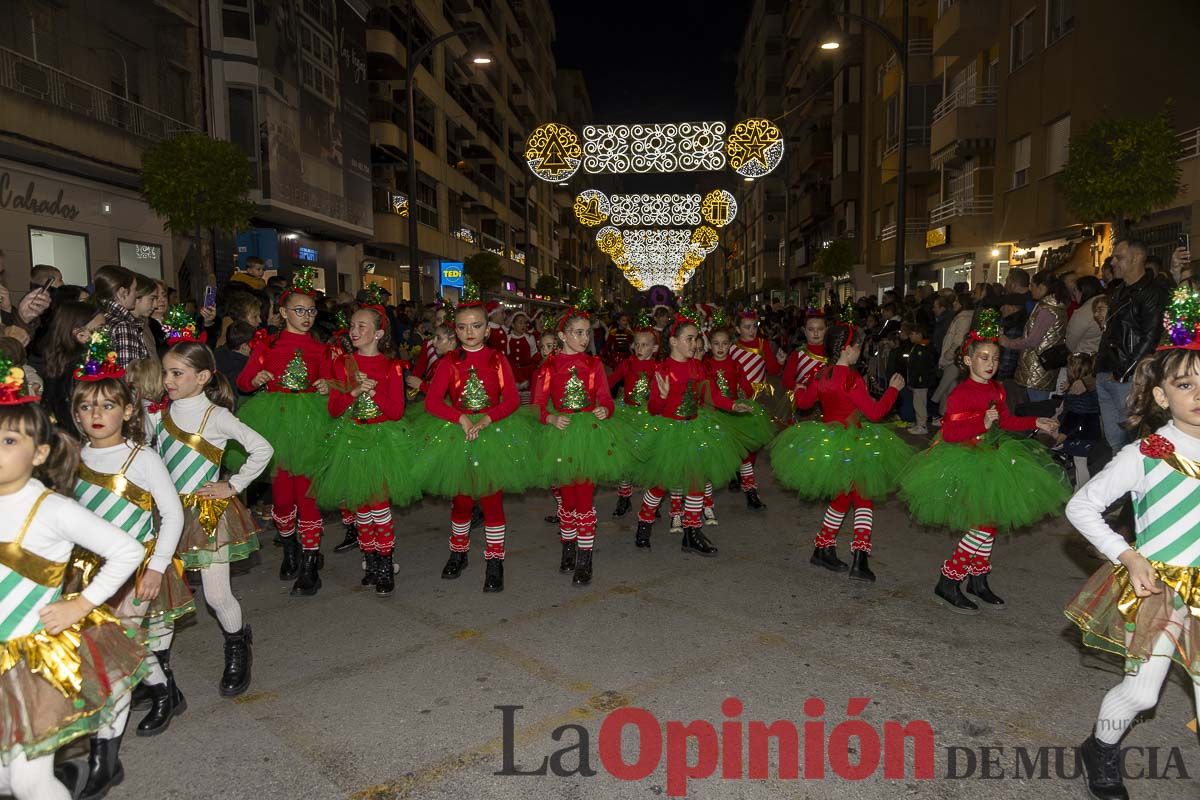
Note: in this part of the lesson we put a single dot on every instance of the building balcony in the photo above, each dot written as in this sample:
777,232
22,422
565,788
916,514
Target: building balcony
914,242
918,157
965,27
386,59
812,148
813,205
844,187
966,120
920,67
958,226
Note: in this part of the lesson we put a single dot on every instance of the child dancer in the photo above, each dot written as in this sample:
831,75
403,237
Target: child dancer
522,351
292,366
758,360
977,479
683,448
1145,606
806,361
473,446
191,434
369,454
577,445
844,458
636,374
68,664
548,346
125,482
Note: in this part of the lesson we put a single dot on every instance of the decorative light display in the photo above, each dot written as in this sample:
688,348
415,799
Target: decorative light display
466,235
399,203
517,256
706,239
493,249
755,147
552,152
718,208
669,147
646,246
592,207
655,209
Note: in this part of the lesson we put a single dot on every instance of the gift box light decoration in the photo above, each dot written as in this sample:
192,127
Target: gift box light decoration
718,208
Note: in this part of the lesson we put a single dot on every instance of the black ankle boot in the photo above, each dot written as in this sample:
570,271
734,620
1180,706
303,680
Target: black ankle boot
454,566
289,568
370,571
752,501
567,563
827,557
951,594
860,569
309,581
694,541
166,700
350,542
623,506
735,485
73,774
139,700
493,579
104,768
643,534
552,519
583,568
1102,769
978,586
238,657
385,575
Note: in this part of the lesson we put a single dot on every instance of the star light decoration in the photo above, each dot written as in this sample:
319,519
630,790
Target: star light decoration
755,147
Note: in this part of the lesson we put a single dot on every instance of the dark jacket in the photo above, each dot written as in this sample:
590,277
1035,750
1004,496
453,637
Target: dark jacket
922,366
1133,326
1012,326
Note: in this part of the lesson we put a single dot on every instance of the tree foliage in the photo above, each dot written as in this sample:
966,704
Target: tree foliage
834,260
193,181
485,269
546,284
1122,169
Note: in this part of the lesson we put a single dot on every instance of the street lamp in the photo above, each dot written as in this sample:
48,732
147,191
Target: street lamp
414,59
900,48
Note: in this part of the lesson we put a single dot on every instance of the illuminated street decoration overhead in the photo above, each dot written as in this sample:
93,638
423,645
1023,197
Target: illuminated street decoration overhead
668,147
718,208
651,246
655,209
755,147
592,207
552,152
705,238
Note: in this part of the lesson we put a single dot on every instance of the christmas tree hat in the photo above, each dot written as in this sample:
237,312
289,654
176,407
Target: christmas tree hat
1181,320
719,320
470,296
645,322
13,390
302,283
375,301
179,326
99,360
984,328
685,316
585,301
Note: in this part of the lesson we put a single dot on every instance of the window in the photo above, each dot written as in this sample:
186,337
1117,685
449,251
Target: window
878,151
1060,19
851,211
65,250
236,19
837,156
141,257
427,201
852,152
317,66
243,124
1021,149
1022,41
1058,141
854,79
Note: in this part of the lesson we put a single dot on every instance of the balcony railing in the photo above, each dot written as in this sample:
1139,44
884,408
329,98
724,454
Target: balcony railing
963,97
35,79
1189,144
964,183
917,137
916,47
912,227
960,206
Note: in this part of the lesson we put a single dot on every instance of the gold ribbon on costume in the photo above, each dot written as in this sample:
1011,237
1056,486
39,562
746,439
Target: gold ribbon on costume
762,386
54,657
209,510
1183,581
85,563
1182,465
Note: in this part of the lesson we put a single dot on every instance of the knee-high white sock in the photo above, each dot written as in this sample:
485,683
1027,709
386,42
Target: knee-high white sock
32,779
1134,695
120,718
1082,475
218,594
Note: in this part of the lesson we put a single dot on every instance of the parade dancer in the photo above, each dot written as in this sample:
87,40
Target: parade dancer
635,374
804,362
1145,605
977,479
548,346
521,347
123,481
369,455
69,665
844,459
191,434
618,344
290,369
577,445
473,446
758,360
497,333
339,345
685,446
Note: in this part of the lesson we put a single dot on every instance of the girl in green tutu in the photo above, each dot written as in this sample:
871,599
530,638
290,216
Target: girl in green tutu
635,374
845,458
577,444
976,478
473,445
369,455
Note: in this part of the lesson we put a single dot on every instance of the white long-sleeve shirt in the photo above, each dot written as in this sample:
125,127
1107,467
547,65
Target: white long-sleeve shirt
61,523
148,472
1128,473
223,426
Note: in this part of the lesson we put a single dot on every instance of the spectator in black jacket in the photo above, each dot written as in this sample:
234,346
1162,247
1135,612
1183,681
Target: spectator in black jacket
922,373
1012,326
233,355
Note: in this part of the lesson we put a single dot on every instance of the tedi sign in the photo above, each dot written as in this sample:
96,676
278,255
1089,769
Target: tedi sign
31,203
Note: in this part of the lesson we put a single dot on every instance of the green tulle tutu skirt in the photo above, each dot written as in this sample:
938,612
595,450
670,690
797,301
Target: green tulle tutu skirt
754,430
502,458
819,460
295,424
367,464
1002,481
587,450
686,454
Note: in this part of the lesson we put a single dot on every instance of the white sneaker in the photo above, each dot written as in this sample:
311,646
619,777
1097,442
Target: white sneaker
919,430
676,523
710,516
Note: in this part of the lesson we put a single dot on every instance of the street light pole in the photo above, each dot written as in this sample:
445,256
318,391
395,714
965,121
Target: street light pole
527,248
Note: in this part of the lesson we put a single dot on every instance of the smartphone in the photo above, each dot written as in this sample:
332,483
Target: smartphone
210,296
1185,241
45,287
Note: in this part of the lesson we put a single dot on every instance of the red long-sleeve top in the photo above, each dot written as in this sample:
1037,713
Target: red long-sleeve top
550,383
801,365
497,337
842,392
445,397
523,355
388,375
732,375
617,347
274,353
425,364
966,405
680,376
757,357
629,373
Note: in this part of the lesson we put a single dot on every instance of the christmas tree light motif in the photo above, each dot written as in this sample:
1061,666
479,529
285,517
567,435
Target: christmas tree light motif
553,152
474,394
641,389
295,375
574,395
723,385
688,407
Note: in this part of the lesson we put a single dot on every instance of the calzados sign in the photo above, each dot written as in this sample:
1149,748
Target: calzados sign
27,202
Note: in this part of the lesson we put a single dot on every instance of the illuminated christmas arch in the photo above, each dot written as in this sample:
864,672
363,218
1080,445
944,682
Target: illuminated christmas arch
552,152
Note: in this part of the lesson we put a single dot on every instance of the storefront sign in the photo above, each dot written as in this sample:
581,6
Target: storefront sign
935,237
452,274
31,203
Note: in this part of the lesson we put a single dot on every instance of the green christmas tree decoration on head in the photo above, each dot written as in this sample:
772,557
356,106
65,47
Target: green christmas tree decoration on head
474,395
846,314
374,295
720,320
470,293
340,320
295,375
99,359
303,279
691,315
585,300
13,389
178,325
987,324
645,320
574,394
1181,320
